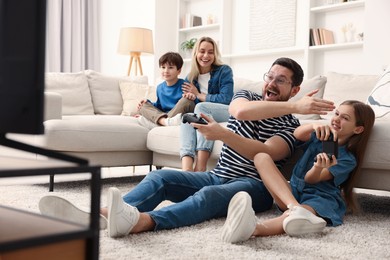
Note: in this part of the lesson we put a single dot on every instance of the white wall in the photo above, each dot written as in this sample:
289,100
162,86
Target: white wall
116,14
160,16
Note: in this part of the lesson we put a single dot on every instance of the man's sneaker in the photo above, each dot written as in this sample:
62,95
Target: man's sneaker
146,123
121,216
61,208
241,219
301,221
175,120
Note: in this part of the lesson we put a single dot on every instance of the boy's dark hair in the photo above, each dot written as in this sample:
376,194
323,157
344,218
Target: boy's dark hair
291,64
171,58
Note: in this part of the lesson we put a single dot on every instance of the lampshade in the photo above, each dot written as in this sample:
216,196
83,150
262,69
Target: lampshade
134,39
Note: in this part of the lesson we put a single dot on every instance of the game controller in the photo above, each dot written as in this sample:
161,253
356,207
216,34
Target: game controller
330,147
193,118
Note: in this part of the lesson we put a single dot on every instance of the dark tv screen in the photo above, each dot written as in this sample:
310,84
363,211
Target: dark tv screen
22,66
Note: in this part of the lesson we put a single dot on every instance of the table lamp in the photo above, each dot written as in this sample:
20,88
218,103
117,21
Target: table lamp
134,41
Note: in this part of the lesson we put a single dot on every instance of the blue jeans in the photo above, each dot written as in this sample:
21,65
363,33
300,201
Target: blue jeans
191,140
197,196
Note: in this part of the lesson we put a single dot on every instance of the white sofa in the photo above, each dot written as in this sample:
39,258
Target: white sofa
87,115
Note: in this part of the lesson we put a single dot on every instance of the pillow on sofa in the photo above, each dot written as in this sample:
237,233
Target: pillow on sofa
105,92
379,98
308,85
132,93
73,87
341,87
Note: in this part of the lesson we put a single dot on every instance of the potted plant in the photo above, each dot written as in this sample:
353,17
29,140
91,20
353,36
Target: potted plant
188,45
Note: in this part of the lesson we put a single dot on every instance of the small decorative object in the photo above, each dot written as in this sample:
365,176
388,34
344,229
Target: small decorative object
360,36
348,31
188,45
210,19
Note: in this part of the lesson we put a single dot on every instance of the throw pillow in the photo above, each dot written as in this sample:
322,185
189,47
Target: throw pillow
341,87
379,98
308,85
73,87
132,93
105,92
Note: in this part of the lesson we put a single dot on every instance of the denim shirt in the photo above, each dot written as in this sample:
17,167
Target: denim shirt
220,86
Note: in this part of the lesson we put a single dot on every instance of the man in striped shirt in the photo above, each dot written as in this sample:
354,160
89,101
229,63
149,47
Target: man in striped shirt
258,123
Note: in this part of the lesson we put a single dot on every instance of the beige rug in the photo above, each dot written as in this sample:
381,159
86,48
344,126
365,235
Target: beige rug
364,236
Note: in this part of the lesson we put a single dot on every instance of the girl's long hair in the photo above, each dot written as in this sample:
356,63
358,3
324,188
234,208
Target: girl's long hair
195,69
357,144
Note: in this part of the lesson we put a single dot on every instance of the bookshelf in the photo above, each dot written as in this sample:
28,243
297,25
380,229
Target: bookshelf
228,29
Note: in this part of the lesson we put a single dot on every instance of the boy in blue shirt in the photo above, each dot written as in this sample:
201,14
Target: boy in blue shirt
170,104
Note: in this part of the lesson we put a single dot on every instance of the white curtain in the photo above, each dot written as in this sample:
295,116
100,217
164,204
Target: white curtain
72,38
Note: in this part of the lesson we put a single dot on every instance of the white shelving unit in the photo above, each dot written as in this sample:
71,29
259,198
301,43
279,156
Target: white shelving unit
333,17
310,14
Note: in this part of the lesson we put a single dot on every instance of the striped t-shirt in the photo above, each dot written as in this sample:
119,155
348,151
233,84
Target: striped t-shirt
231,164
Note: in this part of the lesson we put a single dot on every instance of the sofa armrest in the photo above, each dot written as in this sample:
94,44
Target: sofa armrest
53,105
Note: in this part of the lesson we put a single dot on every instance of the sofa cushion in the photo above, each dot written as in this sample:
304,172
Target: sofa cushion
379,98
132,93
341,87
85,133
73,87
105,92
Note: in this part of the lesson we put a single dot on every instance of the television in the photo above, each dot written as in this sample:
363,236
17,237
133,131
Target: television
22,66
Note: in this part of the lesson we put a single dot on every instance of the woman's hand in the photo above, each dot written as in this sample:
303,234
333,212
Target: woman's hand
189,88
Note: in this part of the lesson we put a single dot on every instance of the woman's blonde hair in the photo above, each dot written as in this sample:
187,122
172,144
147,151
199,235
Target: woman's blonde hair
195,68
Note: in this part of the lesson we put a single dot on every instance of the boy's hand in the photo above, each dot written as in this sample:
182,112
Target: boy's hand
189,96
141,103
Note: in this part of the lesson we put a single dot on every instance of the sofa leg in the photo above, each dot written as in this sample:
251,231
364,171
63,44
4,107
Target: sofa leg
159,167
51,182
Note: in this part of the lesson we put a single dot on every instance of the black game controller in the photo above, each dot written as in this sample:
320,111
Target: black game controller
330,147
193,118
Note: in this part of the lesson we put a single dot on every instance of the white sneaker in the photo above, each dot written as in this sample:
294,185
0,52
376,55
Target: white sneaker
301,221
175,120
241,219
61,208
146,123
121,216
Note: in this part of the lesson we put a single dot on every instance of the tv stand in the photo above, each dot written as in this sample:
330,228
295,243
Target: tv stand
4,141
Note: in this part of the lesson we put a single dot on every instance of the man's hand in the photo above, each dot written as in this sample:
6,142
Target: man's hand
211,131
312,105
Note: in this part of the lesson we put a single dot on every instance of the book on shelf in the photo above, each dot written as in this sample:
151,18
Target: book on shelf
190,20
320,36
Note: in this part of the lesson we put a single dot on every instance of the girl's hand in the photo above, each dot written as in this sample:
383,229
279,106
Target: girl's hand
323,132
323,161
141,103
